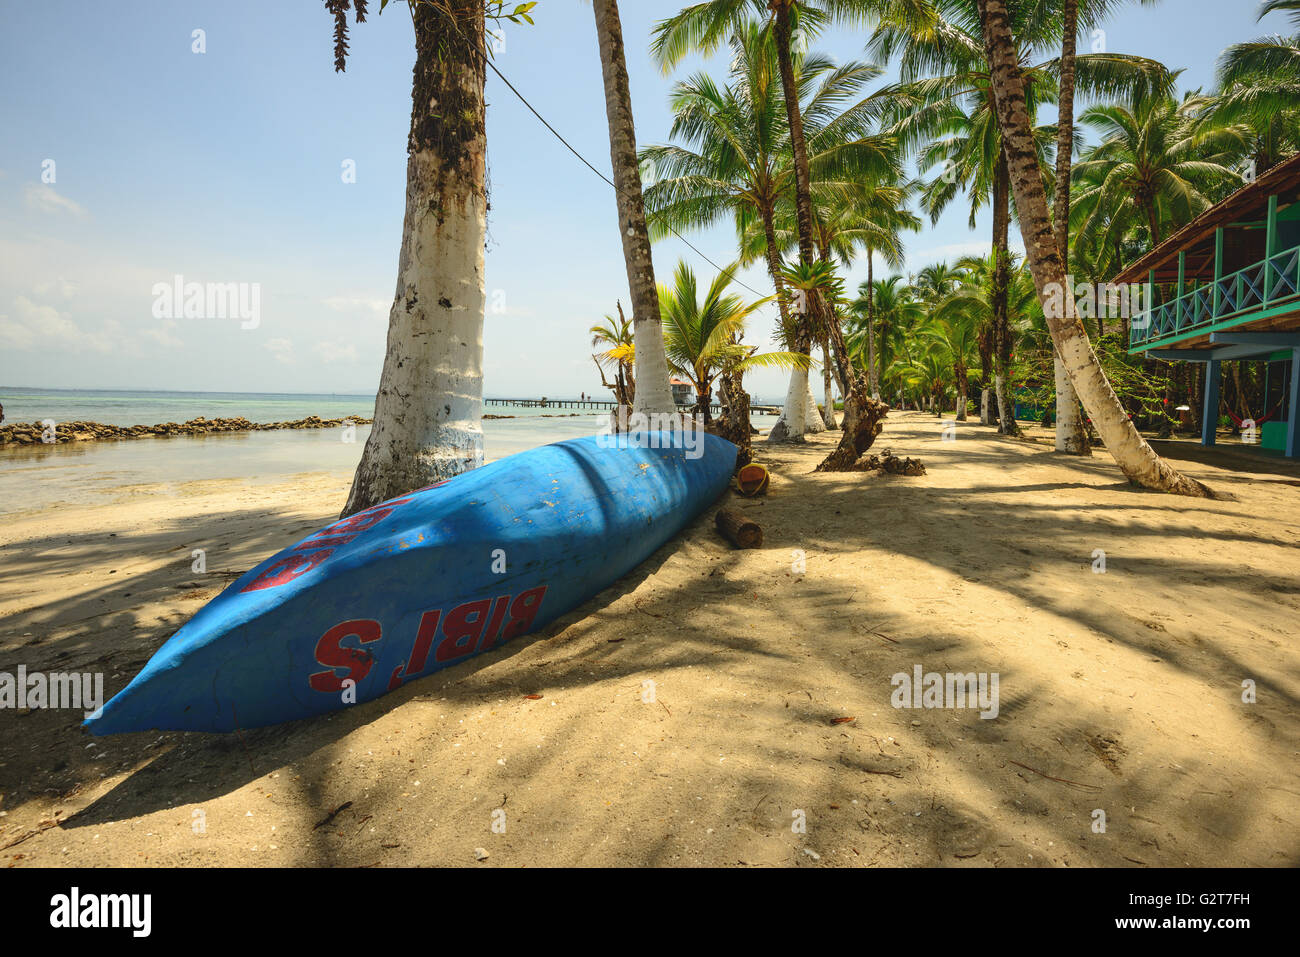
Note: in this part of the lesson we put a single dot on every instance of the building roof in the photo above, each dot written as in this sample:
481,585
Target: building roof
1284,178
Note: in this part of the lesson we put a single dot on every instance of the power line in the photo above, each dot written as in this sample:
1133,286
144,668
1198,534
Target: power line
556,133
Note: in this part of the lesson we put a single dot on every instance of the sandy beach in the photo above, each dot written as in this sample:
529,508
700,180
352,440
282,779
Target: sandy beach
694,714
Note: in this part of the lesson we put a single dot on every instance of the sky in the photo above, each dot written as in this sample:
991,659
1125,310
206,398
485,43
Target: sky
129,158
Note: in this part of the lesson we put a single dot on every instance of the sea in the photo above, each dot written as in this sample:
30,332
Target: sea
40,476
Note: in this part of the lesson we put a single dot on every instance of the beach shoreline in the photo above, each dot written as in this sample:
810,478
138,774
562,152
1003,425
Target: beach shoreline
772,671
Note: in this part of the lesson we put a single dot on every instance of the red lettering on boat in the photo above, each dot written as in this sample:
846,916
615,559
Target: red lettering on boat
287,569
332,653
523,611
423,642
461,631
494,625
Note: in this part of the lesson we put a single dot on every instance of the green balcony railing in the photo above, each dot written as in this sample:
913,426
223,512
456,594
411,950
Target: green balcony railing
1264,284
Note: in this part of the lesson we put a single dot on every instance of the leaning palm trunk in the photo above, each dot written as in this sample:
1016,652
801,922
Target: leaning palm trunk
653,394
1071,436
863,415
1131,452
429,405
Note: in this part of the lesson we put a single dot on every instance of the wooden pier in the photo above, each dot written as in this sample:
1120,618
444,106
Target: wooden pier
548,403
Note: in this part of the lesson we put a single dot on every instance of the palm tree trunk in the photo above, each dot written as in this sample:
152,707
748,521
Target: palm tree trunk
871,332
828,407
802,178
1001,282
985,337
653,394
774,265
812,418
1071,437
1153,223
1131,452
793,420
428,409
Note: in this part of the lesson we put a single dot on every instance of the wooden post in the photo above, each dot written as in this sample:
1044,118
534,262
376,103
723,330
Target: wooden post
1151,306
1210,413
1218,269
1178,302
1293,413
1270,247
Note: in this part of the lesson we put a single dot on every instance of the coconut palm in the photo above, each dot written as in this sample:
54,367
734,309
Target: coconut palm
614,343
734,158
654,396
428,407
1151,155
953,336
706,25
1131,452
944,64
1259,84
883,317
849,218
702,336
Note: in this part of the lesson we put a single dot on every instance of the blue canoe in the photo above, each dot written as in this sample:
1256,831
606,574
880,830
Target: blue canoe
422,582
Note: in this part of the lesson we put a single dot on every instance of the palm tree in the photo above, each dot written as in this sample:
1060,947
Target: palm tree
738,161
614,341
704,26
703,336
943,38
953,336
1071,436
935,281
1150,154
883,234
428,408
884,315
864,214
972,303
654,396
1131,452
1259,85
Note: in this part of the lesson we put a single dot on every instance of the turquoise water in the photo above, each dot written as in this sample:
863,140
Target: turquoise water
41,476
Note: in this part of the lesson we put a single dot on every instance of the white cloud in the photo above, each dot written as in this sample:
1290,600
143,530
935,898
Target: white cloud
47,200
162,334
336,351
954,251
377,307
61,288
280,349
35,326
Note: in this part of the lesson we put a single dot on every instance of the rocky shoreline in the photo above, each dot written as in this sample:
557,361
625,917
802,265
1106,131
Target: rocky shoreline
32,433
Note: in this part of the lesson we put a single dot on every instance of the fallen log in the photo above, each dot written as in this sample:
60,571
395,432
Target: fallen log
738,529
